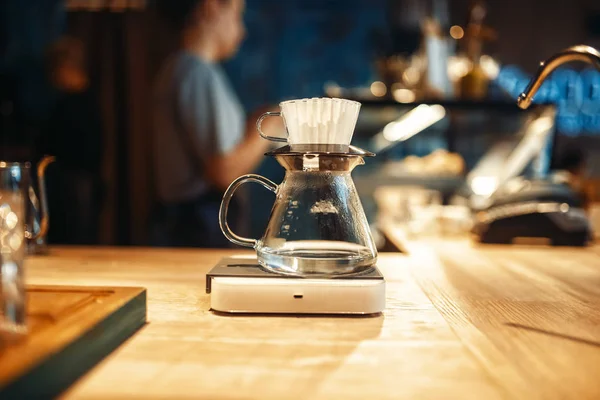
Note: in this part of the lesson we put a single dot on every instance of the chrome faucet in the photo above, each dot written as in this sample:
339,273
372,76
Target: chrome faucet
576,53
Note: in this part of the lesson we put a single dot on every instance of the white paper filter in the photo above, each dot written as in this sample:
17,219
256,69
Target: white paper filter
320,120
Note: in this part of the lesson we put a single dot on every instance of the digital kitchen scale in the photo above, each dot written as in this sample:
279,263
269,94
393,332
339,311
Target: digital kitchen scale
240,285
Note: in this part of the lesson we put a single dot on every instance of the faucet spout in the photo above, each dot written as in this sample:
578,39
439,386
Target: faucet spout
576,53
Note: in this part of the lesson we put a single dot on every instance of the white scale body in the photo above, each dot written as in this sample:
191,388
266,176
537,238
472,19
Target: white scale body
240,285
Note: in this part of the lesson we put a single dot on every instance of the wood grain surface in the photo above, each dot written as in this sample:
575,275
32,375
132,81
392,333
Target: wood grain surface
187,352
529,315
461,322
70,330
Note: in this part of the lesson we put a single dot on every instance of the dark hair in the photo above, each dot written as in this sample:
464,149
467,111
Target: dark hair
177,12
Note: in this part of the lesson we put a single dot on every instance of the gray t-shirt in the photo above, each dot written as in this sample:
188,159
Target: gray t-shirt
196,115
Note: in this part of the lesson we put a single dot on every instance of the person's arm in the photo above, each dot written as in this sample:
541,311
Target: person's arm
222,169
206,125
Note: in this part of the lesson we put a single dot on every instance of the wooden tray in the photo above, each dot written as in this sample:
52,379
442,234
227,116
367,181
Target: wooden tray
70,330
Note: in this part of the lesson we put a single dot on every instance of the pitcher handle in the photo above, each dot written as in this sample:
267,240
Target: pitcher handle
232,237
259,125
44,214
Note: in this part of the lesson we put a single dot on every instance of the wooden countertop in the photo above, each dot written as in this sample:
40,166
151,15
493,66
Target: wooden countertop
460,322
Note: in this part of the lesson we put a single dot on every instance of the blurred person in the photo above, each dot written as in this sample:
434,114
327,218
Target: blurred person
74,135
202,140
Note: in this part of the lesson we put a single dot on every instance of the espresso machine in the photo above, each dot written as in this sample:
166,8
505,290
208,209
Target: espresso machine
317,255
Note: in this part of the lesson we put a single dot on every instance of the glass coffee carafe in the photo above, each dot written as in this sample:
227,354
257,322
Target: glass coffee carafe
317,225
17,177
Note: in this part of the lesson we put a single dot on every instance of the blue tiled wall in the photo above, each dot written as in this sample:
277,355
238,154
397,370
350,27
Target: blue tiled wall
294,47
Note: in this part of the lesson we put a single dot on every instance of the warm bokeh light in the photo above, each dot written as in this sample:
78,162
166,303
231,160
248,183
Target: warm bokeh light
403,95
15,241
484,185
411,76
378,89
333,89
413,122
11,220
457,32
458,67
490,66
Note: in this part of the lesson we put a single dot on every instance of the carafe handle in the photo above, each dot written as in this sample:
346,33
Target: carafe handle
259,126
232,237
